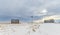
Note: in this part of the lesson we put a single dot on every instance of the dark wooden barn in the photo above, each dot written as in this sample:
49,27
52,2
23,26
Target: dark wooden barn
49,21
14,21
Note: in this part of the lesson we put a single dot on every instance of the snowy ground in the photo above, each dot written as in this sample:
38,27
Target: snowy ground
28,29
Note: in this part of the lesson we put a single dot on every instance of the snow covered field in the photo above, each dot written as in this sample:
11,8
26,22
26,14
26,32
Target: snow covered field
28,29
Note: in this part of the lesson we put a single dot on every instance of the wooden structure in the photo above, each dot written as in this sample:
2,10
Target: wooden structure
49,21
14,21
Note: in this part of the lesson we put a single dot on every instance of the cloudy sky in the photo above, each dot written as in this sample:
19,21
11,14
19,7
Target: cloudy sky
23,9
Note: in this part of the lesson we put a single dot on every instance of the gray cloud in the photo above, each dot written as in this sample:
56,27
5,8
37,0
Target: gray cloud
28,7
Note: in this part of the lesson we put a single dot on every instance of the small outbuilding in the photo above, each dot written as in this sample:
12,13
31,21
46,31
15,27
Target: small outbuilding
49,21
14,21
52,19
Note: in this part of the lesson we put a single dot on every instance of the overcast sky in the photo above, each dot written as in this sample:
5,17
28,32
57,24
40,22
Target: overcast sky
24,8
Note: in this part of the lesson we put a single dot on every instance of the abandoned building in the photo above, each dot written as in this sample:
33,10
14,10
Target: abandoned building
52,19
49,21
14,21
